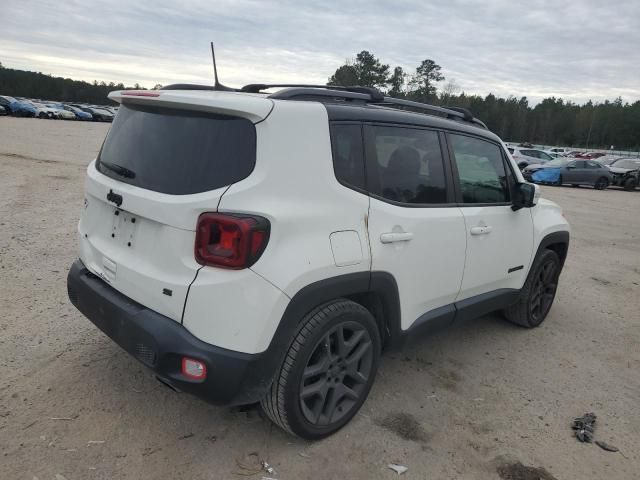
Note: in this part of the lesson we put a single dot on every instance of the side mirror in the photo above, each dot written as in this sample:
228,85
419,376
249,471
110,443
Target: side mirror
526,196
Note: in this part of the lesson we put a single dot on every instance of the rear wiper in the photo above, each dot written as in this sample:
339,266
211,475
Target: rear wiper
119,169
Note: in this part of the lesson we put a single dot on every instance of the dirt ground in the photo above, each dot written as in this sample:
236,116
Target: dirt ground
467,403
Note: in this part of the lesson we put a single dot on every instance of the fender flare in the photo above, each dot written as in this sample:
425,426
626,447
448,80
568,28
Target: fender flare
382,284
554,238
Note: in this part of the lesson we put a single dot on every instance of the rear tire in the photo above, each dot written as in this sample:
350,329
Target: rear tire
327,372
575,185
601,184
538,292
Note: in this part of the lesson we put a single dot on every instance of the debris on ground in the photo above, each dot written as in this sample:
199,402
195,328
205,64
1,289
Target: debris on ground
399,469
584,426
606,446
94,442
304,455
249,465
518,471
268,468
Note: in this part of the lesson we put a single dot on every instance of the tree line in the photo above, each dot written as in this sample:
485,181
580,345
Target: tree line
553,121
22,83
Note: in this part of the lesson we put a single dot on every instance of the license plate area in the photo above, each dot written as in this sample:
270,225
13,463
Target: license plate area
124,227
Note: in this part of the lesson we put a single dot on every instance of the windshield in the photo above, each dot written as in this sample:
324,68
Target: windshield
177,152
627,164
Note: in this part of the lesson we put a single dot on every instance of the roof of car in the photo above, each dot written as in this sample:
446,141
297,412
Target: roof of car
375,113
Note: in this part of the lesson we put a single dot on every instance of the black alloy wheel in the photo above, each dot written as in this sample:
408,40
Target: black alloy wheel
327,372
601,184
336,374
543,291
538,291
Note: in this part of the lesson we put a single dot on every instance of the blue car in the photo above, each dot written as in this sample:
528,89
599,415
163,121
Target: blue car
17,107
80,114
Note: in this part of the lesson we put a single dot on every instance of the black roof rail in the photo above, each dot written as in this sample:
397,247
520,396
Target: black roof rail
318,94
456,113
369,95
372,92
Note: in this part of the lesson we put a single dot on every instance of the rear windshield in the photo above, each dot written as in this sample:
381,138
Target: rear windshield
177,152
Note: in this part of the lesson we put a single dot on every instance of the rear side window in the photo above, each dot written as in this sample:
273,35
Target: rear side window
405,165
348,155
481,170
177,152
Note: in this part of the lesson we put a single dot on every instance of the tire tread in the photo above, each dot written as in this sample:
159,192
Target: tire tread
273,403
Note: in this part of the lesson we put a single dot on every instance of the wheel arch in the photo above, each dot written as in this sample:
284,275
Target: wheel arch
556,241
376,291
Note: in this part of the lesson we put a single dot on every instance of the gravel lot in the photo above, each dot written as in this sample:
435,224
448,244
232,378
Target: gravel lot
462,404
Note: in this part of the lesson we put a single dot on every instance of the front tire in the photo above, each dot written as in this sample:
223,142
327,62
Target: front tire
538,292
327,372
630,184
601,184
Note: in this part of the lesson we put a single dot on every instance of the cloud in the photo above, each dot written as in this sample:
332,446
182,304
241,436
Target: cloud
574,49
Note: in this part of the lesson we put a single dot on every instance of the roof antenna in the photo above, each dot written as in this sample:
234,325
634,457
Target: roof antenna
216,84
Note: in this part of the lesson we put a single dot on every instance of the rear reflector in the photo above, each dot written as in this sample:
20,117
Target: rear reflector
141,93
193,369
230,241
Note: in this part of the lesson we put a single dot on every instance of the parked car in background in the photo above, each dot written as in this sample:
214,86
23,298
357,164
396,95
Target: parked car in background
528,171
574,153
44,111
590,155
609,159
576,172
528,156
626,173
19,108
557,151
99,114
612,161
61,112
80,114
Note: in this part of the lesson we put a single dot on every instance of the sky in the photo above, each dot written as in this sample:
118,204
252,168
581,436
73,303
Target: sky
577,50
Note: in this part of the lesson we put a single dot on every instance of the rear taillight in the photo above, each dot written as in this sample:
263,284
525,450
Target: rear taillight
230,241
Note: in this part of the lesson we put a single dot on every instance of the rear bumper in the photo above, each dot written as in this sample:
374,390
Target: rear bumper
159,342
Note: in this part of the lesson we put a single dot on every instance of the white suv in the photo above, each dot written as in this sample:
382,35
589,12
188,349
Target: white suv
251,247
524,157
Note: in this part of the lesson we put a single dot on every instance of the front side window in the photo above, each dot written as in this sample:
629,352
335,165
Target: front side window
481,170
405,165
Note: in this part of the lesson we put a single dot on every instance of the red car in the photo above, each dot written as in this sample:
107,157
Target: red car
590,155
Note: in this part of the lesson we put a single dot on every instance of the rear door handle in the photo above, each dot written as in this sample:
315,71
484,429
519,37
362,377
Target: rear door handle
480,230
396,237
